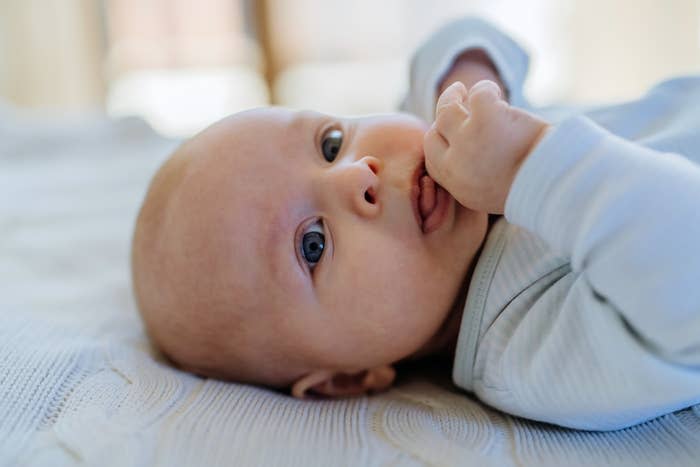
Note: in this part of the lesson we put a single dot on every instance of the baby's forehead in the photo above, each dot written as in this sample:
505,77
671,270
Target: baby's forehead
237,200
268,139
267,119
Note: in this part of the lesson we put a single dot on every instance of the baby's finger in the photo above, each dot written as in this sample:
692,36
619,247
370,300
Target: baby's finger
450,118
483,95
455,92
434,147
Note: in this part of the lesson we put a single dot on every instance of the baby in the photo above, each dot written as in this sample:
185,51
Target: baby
304,251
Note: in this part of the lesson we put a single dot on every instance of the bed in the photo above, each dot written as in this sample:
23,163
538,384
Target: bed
81,385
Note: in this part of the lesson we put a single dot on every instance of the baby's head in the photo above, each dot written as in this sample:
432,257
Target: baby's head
296,249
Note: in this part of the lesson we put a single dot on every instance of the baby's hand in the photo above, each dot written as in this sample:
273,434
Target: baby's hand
477,144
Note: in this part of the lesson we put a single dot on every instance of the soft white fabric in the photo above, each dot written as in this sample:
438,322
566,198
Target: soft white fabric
584,308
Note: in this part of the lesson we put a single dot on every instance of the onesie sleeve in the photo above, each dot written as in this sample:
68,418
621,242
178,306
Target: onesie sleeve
433,59
616,341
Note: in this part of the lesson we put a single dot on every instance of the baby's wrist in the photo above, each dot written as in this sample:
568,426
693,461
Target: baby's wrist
533,131
541,130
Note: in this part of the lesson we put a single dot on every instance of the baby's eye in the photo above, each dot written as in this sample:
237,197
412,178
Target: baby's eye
330,144
312,244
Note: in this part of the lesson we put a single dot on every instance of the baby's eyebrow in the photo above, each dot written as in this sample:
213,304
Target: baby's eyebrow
302,121
307,122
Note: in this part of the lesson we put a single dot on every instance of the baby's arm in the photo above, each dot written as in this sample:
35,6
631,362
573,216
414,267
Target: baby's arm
628,218
617,341
614,342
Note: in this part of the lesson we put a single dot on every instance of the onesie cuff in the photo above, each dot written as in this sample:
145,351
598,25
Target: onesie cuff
435,57
548,162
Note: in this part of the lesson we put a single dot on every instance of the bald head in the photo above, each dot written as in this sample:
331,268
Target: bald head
196,294
278,247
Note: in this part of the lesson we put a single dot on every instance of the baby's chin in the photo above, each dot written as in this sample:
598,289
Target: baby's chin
469,231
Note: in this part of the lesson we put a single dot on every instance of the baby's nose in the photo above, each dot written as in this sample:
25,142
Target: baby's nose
361,185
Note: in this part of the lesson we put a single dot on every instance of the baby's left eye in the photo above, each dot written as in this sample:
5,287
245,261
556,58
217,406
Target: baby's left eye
312,244
330,144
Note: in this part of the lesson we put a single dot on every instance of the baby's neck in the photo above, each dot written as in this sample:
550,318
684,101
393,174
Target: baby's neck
447,342
444,342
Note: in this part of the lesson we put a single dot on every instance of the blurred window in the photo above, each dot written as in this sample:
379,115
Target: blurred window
183,64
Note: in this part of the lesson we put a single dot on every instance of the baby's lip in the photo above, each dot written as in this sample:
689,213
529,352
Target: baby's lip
415,190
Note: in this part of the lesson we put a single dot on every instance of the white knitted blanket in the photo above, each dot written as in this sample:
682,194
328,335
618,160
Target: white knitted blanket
79,384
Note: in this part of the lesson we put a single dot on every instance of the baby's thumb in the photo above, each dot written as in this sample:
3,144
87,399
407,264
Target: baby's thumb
483,94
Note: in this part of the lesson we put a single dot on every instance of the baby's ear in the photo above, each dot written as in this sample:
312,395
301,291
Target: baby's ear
340,384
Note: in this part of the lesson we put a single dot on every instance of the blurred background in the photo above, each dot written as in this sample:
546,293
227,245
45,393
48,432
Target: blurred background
181,64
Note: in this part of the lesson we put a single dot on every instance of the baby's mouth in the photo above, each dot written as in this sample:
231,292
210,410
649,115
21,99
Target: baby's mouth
423,195
427,199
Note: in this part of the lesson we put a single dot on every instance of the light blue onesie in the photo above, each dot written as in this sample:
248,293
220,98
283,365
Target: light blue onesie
584,306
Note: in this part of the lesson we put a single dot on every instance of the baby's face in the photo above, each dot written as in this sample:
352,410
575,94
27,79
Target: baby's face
312,233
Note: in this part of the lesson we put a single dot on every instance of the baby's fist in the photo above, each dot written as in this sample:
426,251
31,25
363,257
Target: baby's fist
477,144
